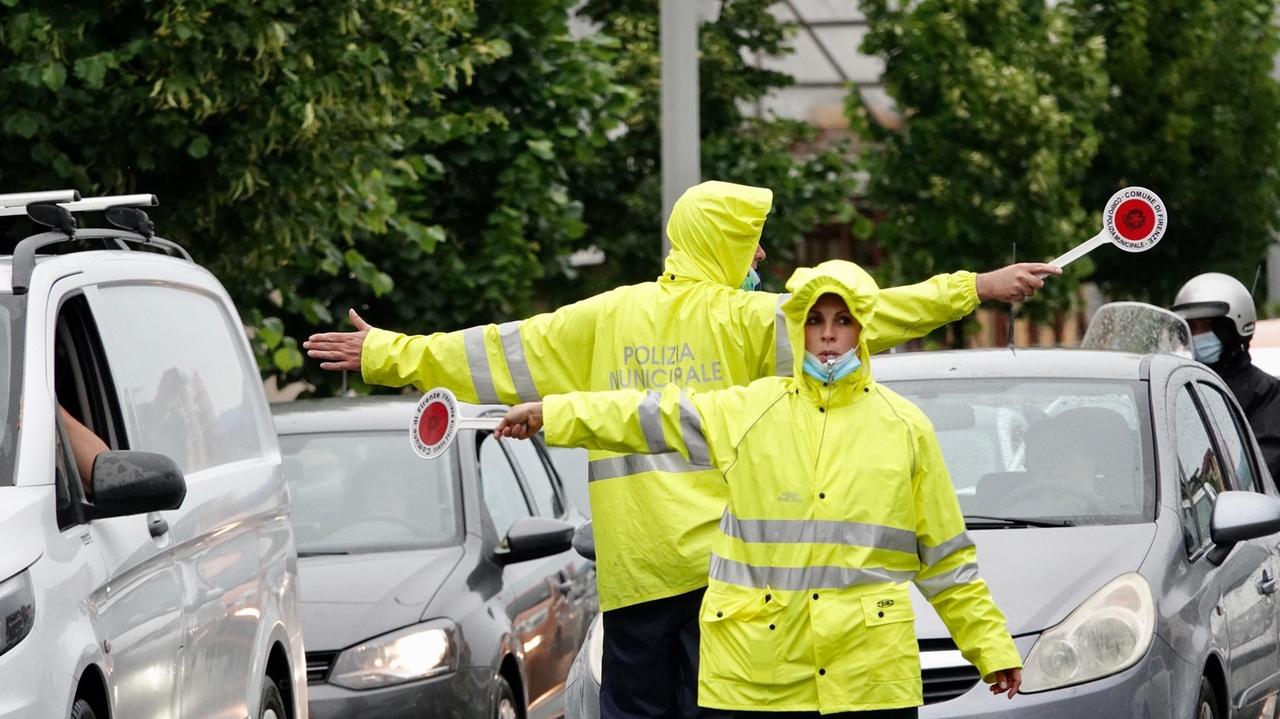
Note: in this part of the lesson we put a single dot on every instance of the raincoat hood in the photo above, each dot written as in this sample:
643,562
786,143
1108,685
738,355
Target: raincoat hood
714,230
838,277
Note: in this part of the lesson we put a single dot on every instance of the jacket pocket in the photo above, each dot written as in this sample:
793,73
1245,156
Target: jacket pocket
743,637
893,653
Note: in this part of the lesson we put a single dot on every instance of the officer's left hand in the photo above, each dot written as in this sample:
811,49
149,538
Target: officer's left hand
1007,681
1013,283
521,422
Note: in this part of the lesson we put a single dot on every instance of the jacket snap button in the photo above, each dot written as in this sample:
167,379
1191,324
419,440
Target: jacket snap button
824,384
822,495
822,672
815,595
822,409
767,597
721,614
881,614
866,389
771,626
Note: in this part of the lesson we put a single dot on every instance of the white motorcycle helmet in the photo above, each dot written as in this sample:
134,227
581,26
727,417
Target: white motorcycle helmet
1214,294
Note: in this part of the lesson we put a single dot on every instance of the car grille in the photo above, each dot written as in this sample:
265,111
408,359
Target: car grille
318,664
944,683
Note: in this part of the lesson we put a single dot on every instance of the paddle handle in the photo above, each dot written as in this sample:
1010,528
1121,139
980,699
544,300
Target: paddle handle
1079,251
480,423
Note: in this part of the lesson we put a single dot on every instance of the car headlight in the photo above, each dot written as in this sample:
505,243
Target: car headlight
17,610
1106,634
595,648
417,652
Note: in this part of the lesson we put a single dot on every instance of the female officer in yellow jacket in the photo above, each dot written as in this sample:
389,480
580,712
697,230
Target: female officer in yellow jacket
838,496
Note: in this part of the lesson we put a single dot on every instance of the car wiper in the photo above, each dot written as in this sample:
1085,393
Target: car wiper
334,553
1013,522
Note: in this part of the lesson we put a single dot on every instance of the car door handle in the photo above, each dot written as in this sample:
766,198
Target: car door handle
157,525
1268,584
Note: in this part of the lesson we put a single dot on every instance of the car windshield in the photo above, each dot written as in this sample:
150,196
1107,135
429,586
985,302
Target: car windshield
1057,451
368,492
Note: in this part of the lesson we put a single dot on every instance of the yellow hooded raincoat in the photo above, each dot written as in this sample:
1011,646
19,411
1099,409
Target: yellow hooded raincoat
838,496
691,329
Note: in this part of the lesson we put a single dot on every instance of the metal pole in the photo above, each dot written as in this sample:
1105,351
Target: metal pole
681,148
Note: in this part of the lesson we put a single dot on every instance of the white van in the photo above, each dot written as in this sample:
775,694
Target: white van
172,591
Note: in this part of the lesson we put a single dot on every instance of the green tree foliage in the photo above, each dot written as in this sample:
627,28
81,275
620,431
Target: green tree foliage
274,131
1000,100
497,209
621,189
1192,115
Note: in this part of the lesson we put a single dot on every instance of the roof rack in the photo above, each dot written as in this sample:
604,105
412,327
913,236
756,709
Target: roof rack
53,209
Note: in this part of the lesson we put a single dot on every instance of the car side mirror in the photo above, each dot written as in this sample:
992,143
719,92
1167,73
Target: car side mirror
584,541
1240,516
534,538
128,483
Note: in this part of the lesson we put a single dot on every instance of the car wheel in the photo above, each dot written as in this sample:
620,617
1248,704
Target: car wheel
1207,704
272,704
504,705
82,710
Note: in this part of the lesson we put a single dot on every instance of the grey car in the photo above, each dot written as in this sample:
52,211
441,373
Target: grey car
430,588
1124,523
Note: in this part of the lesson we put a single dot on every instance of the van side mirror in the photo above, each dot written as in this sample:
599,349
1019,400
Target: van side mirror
1240,516
128,483
534,538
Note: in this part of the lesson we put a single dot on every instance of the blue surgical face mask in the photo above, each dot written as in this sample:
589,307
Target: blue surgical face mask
752,283
839,368
1206,347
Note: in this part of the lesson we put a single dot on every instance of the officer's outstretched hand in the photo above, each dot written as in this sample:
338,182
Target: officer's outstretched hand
522,421
1007,681
1015,282
341,349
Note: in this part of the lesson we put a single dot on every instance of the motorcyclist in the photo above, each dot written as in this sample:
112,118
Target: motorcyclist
1222,316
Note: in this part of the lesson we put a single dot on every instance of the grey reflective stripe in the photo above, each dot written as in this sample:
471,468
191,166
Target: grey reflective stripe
818,531
627,465
930,556
651,422
783,359
478,362
513,350
933,586
800,578
691,427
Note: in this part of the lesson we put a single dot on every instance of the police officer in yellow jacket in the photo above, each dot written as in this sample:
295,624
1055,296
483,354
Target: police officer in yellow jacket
694,329
838,495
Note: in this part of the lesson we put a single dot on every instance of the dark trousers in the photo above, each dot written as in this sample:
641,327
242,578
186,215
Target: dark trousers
650,665
910,713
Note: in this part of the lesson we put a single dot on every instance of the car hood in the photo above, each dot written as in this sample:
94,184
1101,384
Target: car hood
21,533
347,599
1039,576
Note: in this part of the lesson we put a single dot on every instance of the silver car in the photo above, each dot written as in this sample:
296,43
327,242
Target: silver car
1124,522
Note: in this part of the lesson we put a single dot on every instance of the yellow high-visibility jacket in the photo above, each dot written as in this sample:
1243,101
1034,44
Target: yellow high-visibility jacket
692,328
838,496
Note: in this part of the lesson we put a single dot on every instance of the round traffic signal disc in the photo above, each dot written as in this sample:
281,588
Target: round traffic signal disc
1135,219
435,423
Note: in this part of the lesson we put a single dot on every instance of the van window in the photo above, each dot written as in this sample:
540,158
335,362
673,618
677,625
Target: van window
186,388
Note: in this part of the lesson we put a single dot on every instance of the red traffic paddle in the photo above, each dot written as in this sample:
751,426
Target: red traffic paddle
1134,221
436,423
